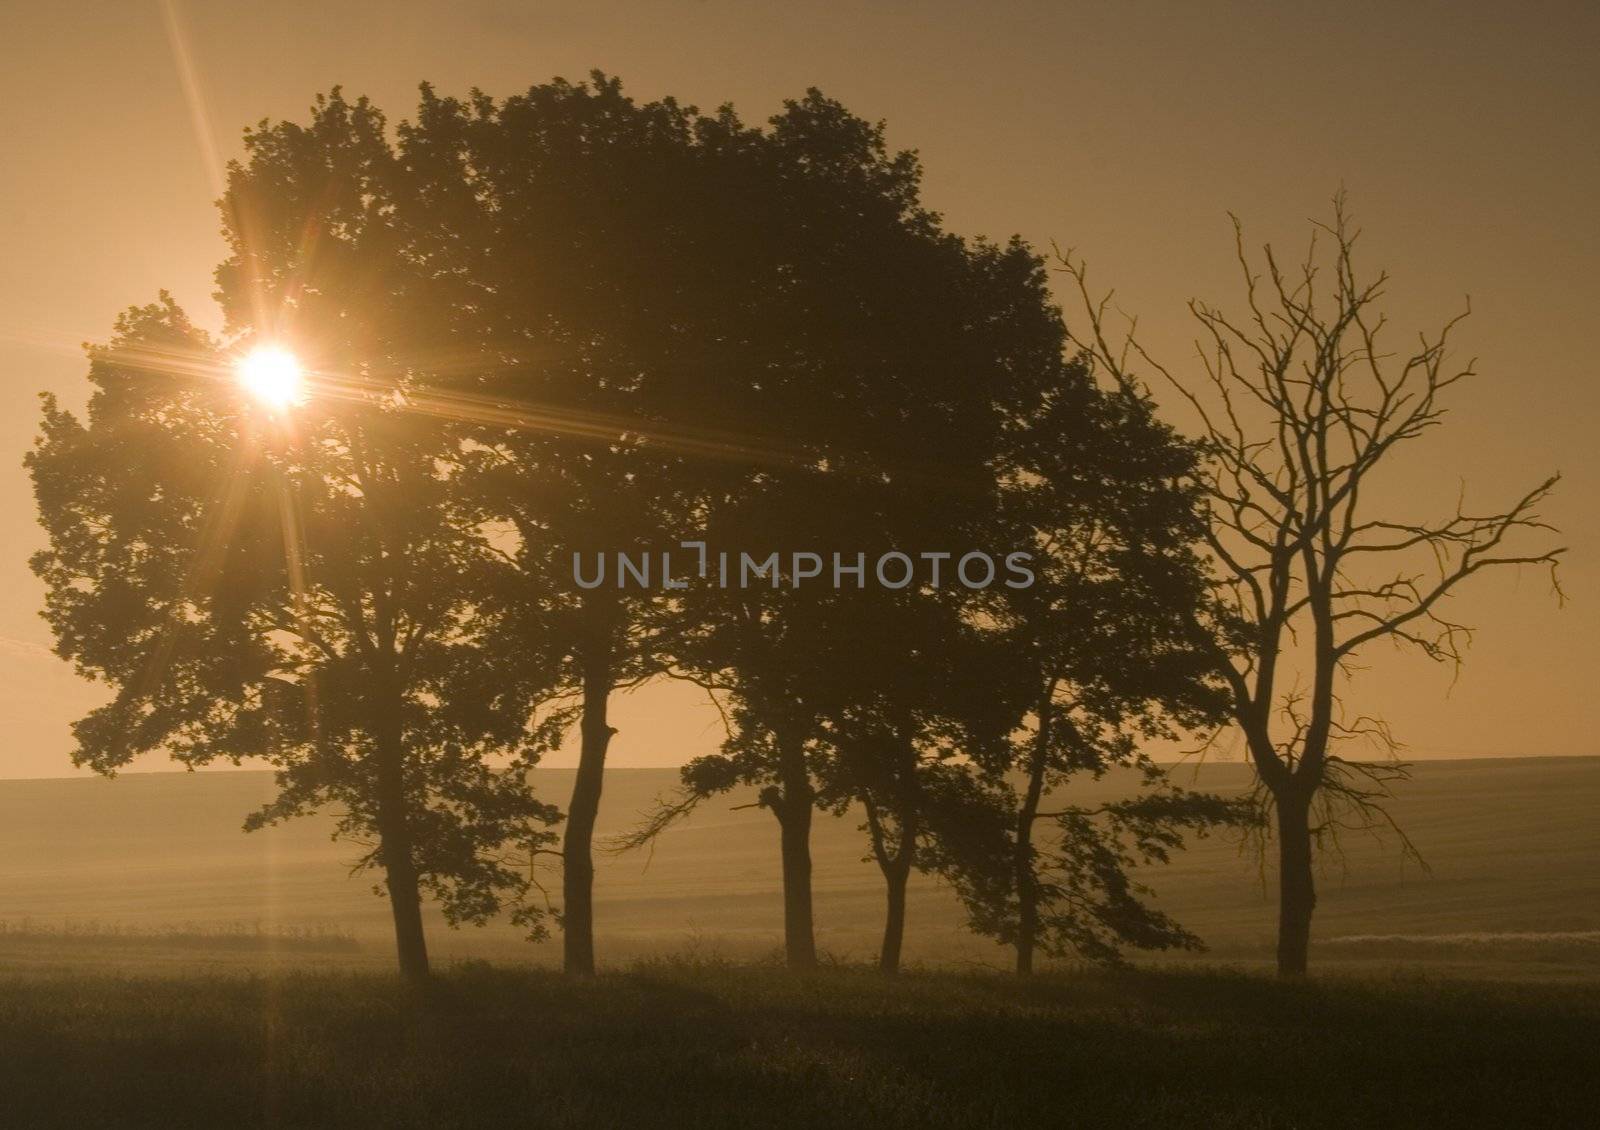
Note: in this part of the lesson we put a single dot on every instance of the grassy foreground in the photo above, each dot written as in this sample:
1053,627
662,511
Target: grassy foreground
676,1044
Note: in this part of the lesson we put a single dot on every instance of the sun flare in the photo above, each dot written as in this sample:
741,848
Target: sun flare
273,376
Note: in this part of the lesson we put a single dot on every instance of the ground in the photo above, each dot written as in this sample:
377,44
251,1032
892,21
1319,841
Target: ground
159,968
712,1044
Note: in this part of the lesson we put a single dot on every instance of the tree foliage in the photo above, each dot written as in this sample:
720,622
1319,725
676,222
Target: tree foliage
310,587
565,325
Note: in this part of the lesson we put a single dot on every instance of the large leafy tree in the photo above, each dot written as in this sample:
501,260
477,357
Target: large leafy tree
1112,658
301,582
751,650
982,431
896,354
906,741
861,701
570,233
686,325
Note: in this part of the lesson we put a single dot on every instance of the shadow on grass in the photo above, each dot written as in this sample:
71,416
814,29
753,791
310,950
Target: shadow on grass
710,1045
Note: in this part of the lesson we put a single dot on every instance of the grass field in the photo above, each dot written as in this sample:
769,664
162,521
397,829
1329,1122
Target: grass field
707,1045
90,868
159,968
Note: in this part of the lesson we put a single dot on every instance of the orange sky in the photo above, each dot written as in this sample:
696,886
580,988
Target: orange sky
1464,133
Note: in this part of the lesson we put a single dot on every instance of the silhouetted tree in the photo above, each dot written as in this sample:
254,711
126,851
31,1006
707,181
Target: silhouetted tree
1043,459
1113,658
916,700
1302,408
306,583
579,244
823,691
682,316
751,652
793,661
299,588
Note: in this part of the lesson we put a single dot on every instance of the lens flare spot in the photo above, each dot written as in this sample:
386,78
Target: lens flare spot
273,376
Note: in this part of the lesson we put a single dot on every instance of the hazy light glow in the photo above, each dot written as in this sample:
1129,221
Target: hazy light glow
273,376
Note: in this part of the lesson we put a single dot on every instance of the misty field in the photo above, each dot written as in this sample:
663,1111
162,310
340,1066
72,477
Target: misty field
153,871
160,968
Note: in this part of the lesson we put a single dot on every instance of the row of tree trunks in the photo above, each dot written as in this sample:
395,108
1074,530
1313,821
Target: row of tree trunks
794,813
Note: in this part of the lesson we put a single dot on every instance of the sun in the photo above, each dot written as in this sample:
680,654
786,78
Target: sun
273,376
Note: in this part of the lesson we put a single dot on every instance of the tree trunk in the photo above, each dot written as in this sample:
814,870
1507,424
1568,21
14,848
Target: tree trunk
577,871
405,900
1028,929
799,939
895,864
1297,895
799,935
399,865
894,923
1027,922
1023,876
896,867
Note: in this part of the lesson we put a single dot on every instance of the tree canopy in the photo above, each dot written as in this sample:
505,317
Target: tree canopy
565,326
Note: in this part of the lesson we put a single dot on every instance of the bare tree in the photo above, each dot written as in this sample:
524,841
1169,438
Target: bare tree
1300,410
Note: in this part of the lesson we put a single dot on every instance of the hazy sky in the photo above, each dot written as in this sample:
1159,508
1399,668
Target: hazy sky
1465,133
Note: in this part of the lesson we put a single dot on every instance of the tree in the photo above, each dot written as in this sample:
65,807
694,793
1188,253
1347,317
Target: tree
835,698
1301,411
303,583
752,648
307,598
915,701
1112,659
573,237
674,315
796,664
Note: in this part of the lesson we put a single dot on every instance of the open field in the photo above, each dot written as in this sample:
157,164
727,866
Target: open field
90,869
670,1044
158,967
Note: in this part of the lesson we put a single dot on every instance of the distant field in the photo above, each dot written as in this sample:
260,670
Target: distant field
144,869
